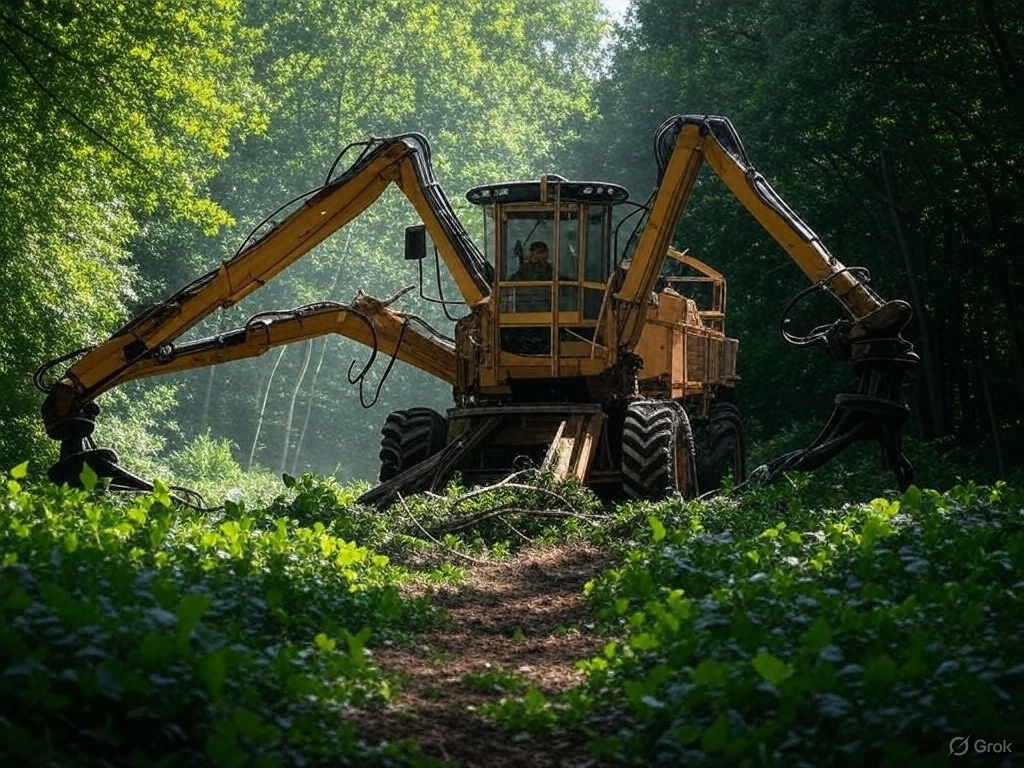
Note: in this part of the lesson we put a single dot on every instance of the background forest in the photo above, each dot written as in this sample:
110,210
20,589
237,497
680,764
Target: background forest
140,142
823,620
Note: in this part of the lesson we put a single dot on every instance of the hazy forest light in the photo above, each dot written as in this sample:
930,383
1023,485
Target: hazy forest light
616,9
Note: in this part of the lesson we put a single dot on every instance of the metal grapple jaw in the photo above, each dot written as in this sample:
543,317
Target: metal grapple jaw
876,411
73,429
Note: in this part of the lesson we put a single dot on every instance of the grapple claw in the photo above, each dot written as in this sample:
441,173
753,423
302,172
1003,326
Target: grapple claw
77,448
875,412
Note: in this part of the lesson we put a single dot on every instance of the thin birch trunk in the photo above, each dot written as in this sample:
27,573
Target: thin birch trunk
291,406
320,362
263,408
309,405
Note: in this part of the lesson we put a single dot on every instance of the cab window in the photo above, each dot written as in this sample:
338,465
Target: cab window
596,269
531,250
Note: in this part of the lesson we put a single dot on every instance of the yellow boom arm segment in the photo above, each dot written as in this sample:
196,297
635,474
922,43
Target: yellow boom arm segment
683,144
367,320
869,336
145,346
404,160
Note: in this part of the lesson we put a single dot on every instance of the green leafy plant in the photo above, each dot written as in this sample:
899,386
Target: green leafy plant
763,628
131,626
494,681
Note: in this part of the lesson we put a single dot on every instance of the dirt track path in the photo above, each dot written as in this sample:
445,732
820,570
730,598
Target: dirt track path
528,617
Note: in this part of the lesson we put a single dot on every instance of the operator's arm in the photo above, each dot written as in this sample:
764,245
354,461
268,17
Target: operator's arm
404,160
683,144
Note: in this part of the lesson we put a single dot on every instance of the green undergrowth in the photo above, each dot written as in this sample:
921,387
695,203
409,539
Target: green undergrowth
768,630
493,522
776,626
135,631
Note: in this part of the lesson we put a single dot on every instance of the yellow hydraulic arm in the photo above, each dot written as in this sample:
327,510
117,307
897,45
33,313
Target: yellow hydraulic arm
366,320
869,335
402,160
145,346
683,144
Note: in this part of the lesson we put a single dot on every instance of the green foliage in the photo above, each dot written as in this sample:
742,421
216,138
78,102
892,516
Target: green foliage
137,422
494,681
131,628
762,627
110,111
208,466
476,528
323,501
533,711
762,630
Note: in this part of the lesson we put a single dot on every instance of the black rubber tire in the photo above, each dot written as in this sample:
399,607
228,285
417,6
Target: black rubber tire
722,447
408,437
653,434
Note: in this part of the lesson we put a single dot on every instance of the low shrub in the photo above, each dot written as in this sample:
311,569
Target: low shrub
760,630
133,630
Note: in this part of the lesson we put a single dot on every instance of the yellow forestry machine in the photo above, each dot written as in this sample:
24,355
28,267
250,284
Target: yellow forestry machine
569,359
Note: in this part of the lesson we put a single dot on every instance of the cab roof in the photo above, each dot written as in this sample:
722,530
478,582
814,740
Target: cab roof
529,192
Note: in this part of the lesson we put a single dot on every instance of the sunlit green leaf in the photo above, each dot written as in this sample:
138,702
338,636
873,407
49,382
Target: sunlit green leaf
88,477
771,667
658,530
325,643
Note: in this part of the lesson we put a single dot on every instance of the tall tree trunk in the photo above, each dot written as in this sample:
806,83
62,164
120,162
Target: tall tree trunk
291,406
309,405
993,424
1010,299
210,378
263,408
209,394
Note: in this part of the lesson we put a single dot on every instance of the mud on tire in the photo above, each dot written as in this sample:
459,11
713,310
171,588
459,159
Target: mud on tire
408,437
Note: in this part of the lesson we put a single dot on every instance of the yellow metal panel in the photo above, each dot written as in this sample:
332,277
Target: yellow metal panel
509,319
678,357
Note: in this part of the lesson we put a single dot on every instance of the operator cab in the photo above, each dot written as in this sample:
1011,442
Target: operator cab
550,244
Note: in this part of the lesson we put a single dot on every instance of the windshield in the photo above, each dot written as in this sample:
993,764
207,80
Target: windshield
531,249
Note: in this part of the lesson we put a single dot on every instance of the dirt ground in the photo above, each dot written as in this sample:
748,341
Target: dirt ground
528,617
